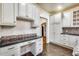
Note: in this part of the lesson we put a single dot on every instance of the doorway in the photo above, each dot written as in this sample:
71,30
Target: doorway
44,32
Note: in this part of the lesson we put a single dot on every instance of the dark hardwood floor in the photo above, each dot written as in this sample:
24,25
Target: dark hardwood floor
53,50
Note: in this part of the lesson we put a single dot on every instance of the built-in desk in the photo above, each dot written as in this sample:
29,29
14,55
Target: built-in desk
35,46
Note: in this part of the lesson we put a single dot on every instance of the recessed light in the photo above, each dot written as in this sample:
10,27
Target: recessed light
59,7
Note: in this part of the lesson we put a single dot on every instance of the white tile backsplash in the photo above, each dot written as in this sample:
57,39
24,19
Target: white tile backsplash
71,30
22,27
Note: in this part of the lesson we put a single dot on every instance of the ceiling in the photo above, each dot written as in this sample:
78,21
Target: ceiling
53,7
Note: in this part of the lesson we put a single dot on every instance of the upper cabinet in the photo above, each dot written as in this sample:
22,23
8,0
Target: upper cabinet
76,17
67,19
58,18
71,18
36,16
7,14
31,11
23,10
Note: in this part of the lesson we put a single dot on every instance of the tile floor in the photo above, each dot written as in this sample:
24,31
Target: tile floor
55,50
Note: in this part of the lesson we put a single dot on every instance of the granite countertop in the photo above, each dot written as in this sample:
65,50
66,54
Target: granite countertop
10,40
70,34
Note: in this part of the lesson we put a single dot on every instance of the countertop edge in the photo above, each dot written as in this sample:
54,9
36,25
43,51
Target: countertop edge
19,42
70,34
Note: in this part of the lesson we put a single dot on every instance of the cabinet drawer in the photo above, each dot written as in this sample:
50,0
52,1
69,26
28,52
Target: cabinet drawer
9,53
8,48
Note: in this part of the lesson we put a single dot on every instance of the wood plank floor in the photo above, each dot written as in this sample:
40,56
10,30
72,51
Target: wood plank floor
55,50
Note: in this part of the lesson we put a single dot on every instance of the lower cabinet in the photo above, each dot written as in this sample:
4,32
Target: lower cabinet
68,40
72,40
34,46
37,48
9,51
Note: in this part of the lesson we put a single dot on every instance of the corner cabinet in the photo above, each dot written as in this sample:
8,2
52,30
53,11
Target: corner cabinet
71,18
7,14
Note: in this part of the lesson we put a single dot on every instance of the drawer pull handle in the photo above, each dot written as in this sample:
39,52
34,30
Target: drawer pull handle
10,48
13,55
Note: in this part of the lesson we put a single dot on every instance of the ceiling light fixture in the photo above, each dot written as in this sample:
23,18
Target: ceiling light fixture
59,7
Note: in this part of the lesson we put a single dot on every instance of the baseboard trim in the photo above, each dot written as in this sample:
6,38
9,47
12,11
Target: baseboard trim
64,46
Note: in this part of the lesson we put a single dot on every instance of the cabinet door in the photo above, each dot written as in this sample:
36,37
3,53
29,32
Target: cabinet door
30,10
65,40
72,40
39,47
57,31
9,50
69,40
22,9
35,15
51,29
66,19
8,14
57,18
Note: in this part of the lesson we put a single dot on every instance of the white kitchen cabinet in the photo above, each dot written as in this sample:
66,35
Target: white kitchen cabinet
71,18
76,17
22,9
51,28
31,11
67,19
25,10
68,40
26,47
55,28
65,40
72,40
7,14
58,18
56,32
36,15
37,47
52,18
9,51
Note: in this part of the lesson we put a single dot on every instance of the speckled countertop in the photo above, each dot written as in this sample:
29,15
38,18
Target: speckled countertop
70,34
10,40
